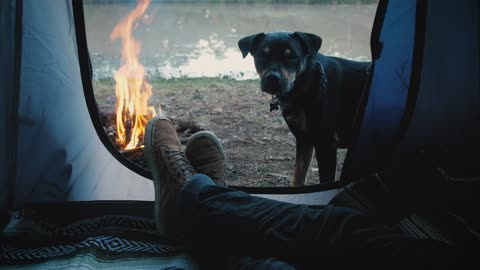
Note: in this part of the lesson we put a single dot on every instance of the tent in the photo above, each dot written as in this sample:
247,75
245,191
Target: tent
61,179
424,88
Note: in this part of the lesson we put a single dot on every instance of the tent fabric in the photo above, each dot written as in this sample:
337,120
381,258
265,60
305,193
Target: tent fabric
447,109
8,83
424,92
388,91
60,157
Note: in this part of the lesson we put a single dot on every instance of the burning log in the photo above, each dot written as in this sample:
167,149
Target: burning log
185,129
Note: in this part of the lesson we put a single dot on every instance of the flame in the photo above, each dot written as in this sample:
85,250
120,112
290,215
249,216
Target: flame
131,89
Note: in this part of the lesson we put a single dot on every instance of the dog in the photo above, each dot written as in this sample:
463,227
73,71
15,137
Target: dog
318,95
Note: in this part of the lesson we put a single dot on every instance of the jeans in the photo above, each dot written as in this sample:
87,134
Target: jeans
262,233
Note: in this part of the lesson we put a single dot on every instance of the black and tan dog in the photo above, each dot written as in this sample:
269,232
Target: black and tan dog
318,95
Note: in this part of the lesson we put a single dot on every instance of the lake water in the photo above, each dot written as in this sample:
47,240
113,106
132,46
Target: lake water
200,40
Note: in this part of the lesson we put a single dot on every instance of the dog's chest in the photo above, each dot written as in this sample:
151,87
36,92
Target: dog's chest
297,122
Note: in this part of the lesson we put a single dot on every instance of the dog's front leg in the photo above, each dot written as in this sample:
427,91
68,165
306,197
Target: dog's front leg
303,157
326,155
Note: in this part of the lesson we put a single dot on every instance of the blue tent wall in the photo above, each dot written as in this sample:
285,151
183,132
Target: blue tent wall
424,92
388,89
447,107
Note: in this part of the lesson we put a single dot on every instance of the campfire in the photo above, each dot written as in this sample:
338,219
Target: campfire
126,125
132,90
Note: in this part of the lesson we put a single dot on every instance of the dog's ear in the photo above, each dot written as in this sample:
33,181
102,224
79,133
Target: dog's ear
311,43
249,43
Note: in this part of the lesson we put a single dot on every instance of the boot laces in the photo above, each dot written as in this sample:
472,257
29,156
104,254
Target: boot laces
179,162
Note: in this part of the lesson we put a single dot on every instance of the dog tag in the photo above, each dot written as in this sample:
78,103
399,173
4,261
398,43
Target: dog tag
273,106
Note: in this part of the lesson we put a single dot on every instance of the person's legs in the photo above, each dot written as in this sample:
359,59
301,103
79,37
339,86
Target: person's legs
229,221
207,216
263,223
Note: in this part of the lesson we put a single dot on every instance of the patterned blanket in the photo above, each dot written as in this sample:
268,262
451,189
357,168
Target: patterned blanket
45,238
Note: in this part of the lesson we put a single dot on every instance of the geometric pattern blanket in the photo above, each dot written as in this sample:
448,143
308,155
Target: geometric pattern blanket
43,239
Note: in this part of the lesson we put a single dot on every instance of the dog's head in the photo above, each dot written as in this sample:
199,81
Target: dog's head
280,57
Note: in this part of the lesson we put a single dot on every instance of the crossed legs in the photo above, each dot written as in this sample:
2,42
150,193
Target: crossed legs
194,204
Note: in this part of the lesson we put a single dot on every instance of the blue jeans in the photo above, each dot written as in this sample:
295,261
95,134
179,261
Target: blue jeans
269,234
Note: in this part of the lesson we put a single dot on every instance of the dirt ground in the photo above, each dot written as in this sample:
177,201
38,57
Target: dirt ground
259,147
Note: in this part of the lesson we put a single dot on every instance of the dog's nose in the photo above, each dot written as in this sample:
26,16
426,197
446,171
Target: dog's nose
273,78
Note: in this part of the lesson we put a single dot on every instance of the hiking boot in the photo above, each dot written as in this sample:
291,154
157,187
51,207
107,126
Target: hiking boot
170,170
205,153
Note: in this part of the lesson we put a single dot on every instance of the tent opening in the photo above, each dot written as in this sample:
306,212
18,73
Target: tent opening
182,60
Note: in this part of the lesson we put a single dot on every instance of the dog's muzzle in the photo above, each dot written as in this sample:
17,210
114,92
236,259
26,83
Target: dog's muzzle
272,83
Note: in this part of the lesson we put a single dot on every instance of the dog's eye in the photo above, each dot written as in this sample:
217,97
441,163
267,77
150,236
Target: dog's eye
266,50
289,54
